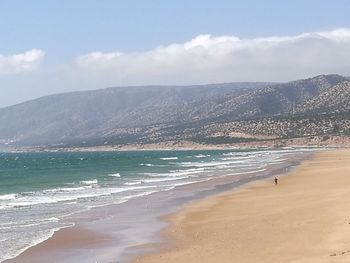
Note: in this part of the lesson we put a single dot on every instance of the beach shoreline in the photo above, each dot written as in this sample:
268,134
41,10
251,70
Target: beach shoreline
174,200
303,219
314,141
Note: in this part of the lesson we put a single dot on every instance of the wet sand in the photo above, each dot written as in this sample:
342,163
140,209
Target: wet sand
117,233
71,237
305,218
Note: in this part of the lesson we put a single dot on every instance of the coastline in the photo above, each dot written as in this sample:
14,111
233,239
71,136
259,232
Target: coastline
301,142
105,220
302,219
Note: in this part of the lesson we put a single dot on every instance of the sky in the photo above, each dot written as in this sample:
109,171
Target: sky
52,46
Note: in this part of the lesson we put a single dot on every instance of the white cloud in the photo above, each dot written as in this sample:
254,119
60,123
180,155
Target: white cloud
206,59
22,62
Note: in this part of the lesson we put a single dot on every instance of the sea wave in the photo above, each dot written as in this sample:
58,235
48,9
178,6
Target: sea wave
67,189
28,223
133,183
248,172
241,155
202,155
89,182
114,175
239,159
146,164
8,197
37,239
169,158
165,179
127,198
49,197
210,164
57,204
175,173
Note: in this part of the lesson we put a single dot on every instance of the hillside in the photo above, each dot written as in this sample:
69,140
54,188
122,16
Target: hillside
217,113
331,99
85,115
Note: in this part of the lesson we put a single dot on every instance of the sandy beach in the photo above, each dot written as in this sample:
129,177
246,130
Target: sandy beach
122,231
305,218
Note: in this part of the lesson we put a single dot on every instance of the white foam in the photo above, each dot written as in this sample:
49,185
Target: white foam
133,183
192,182
147,164
210,164
8,197
185,163
28,223
169,158
164,179
238,159
201,156
45,197
3,207
89,182
127,198
84,193
241,155
66,189
175,173
14,252
248,172
114,175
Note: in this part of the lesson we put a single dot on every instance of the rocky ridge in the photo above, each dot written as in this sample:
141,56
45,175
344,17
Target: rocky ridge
204,114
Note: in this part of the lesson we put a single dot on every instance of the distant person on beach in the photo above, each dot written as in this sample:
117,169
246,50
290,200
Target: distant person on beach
276,180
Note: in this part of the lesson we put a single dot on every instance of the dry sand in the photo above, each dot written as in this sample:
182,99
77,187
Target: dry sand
305,218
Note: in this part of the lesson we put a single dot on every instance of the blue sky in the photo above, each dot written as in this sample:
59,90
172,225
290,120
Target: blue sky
67,30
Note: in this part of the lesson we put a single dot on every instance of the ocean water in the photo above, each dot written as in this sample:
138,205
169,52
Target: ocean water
39,192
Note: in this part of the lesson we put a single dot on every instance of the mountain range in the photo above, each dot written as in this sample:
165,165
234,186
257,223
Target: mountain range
215,113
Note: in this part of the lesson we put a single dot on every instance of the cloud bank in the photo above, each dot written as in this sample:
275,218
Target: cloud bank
22,62
207,58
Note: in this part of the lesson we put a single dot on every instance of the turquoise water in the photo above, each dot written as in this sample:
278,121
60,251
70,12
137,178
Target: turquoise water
40,191
27,172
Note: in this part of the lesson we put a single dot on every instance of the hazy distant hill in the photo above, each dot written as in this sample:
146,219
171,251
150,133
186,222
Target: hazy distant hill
203,113
84,115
